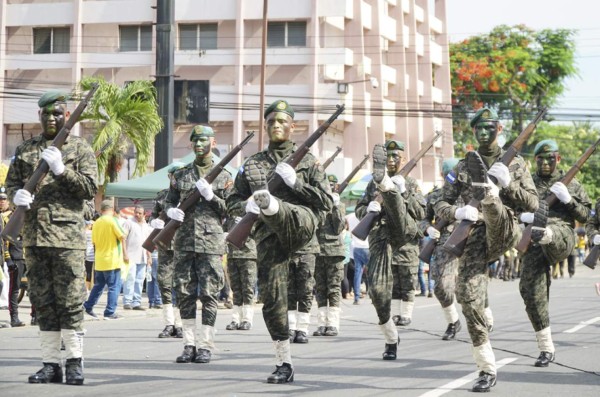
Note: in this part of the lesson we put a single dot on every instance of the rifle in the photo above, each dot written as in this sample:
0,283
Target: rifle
239,233
328,162
552,199
15,223
592,258
458,239
365,225
164,236
340,188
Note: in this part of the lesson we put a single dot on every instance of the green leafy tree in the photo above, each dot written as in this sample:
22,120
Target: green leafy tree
124,116
514,70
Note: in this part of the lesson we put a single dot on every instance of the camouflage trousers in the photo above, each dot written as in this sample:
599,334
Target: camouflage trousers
485,243
444,268
536,273
56,277
164,275
405,277
398,229
329,272
196,276
242,280
293,227
301,282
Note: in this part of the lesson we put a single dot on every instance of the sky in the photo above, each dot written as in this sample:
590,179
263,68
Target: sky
582,95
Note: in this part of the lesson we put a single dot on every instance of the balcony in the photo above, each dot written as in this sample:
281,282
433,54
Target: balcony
127,11
40,14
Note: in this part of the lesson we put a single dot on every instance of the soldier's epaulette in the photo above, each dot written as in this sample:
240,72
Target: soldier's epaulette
451,177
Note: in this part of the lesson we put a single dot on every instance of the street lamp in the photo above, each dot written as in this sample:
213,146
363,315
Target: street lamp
342,88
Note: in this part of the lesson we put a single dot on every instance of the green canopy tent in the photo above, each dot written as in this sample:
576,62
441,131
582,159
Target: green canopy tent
148,186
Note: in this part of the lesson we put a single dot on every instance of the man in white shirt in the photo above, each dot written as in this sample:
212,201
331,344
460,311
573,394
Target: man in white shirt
136,230
359,250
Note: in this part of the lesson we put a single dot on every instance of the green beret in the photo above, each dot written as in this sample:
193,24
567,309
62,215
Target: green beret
332,178
448,165
175,167
52,97
394,145
201,130
484,114
280,106
545,146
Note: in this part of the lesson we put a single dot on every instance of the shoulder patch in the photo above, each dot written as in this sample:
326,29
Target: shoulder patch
451,177
592,213
241,170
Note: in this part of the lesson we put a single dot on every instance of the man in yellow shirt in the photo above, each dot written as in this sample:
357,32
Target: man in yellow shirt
110,252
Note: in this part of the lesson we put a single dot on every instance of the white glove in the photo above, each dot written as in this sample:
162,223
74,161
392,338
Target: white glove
23,198
287,173
596,240
53,157
336,199
157,223
500,172
433,232
252,207
467,212
399,182
205,189
526,217
176,214
561,192
374,206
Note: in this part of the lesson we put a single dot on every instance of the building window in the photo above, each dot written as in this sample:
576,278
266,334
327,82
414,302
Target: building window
51,40
135,38
286,34
201,36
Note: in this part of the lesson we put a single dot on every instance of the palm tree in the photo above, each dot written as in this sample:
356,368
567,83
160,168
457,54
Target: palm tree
124,116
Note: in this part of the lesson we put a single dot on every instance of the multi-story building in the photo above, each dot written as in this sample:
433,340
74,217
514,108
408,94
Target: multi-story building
386,60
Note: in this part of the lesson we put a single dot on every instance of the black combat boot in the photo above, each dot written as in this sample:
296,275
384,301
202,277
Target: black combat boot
177,333
232,326
50,373
74,371
301,337
396,319
167,332
544,359
451,331
292,334
484,383
188,355
331,331
390,350
540,220
203,356
245,326
283,374
320,331
379,163
478,173
404,321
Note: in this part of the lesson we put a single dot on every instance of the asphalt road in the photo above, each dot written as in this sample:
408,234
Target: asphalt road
125,357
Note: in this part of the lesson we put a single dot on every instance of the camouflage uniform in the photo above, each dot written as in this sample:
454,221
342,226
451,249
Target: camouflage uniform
53,231
165,256
592,226
290,233
198,243
489,238
538,260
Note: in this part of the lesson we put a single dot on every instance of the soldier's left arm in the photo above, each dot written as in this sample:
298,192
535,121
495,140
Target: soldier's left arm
338,218
521,189
580,205
312,186
81,170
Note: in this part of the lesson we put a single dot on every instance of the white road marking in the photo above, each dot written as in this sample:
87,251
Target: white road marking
455,384
582,325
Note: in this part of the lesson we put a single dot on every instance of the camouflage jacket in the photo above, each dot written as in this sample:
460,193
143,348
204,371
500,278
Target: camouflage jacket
311,190
157,209
56,216
578,209
433,197
202,228
520,195
592,227
330,232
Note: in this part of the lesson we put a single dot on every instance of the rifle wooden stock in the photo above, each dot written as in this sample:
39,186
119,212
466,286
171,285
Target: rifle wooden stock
429,246
164,237
523,245
238,235
340,188
458,239
328,162
365,225
592,258
15,223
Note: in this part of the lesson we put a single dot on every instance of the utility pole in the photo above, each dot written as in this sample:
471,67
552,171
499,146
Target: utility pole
263,67
165,85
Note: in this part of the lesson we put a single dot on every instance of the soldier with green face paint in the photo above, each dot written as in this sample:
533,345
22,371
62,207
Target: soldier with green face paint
495,231
443,266
285,232
53,236
550,244
198,245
